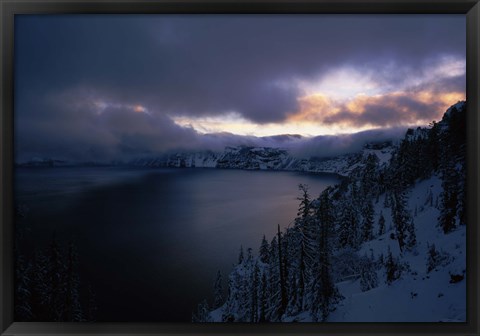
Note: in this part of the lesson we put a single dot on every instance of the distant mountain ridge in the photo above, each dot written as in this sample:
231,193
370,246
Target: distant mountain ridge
242,157
267,158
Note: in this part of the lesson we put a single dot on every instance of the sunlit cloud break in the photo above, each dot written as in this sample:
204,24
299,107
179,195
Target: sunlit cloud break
236,124
101,106
347,100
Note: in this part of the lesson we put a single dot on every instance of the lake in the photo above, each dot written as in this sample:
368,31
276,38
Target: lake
151,241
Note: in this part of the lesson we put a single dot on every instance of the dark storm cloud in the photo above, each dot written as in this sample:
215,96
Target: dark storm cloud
77,131
209,64
446,85
194,66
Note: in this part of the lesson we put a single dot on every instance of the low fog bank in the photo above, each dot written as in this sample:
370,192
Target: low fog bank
118,134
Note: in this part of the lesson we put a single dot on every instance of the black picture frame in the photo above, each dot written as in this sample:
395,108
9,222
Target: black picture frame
9,8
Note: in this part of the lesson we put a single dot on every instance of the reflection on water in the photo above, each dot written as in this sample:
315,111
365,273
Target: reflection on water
151,241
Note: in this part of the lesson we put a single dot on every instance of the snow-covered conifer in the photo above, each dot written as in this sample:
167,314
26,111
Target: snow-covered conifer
348,228
23,283
392,268
368,275
367,223
240,255
203,312
264,251
381,225
73,310
325,293
91,308
218,293
401,218
411,235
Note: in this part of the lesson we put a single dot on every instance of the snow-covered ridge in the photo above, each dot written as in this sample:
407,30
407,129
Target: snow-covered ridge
267,158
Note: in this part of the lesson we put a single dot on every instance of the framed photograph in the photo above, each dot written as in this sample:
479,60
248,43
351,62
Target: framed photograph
239,168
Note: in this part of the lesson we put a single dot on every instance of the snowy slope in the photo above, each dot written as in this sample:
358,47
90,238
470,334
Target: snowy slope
418,296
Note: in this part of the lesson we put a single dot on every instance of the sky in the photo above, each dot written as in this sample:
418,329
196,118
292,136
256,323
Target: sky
104,87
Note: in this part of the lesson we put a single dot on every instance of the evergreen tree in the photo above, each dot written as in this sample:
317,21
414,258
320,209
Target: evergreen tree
23,269
367,224
248,291
462,195
23,282
302,258
433,150
294,305
286,261
433,258
237,300
281,270
392,268
263,299
202,313
381,260
40,288
249,255
47,287
240,255
449,198
264,251
452,167
274,284
218,291
348,228
368,275
411,235
387,203
55,286
304,208
325,294
429,199
254,294
400,218
73,310
381,225
369,178
91,308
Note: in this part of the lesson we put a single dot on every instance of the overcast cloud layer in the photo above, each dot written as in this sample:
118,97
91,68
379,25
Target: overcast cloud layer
107,87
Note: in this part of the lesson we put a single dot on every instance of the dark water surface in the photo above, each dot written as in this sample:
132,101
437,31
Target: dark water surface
150,241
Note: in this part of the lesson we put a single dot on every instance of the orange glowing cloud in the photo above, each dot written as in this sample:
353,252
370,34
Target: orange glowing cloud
407,108
362,98
312,108
139,109
100,106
